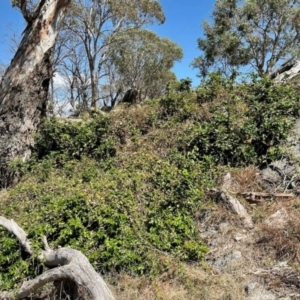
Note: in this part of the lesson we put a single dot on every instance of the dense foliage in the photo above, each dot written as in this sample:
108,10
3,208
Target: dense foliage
254,33
143,61
245,122
128,189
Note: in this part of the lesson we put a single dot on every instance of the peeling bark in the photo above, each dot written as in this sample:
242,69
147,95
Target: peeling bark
24,86
67,265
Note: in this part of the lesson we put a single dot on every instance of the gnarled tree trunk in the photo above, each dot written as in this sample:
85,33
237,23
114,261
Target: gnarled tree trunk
68,267
24,86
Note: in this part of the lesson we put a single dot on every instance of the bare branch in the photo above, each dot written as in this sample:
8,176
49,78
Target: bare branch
4,295
73,265
45,242
68,264
27,16
75,273
14,228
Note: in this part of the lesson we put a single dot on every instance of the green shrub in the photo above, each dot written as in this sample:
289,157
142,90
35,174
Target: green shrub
272,110
246,122
134,214
179,104
125,189
75,139
214,88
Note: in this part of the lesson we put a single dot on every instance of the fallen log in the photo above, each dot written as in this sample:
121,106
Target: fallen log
67,266
259,197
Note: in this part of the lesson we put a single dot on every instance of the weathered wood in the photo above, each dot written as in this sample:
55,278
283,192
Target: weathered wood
14,228
24,86
258,197
286,72
72,265
65,263
234,205
286,66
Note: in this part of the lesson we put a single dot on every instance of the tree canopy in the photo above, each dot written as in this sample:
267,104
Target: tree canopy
90,29
143,60
255,33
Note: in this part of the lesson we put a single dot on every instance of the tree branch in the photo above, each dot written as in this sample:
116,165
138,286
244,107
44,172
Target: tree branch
27,16
234,205
14,228
67,264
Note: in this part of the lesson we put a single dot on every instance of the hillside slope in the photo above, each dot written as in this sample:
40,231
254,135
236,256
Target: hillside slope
133,190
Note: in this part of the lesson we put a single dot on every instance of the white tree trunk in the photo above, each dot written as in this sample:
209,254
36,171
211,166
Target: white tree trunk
24,86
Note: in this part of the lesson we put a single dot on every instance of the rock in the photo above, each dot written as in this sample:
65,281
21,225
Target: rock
294,140
279,219
208,233
256,291
223,227
239,237
228,260
291,71
234,205
227,182
285,173
282,173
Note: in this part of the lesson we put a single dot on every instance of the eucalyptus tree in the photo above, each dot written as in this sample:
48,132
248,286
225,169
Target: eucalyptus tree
143,62
24,85
2,69
256,33
93,25
70,89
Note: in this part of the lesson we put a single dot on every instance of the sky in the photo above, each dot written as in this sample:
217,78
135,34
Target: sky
183,25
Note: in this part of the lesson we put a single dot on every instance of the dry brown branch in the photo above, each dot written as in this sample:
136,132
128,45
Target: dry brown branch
258,197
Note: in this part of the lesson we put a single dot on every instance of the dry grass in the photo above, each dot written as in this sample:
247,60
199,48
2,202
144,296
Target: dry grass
281,242
246,180
193,284
3,194
276,243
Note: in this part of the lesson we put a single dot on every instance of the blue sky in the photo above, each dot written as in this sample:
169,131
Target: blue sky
10,19
183,26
